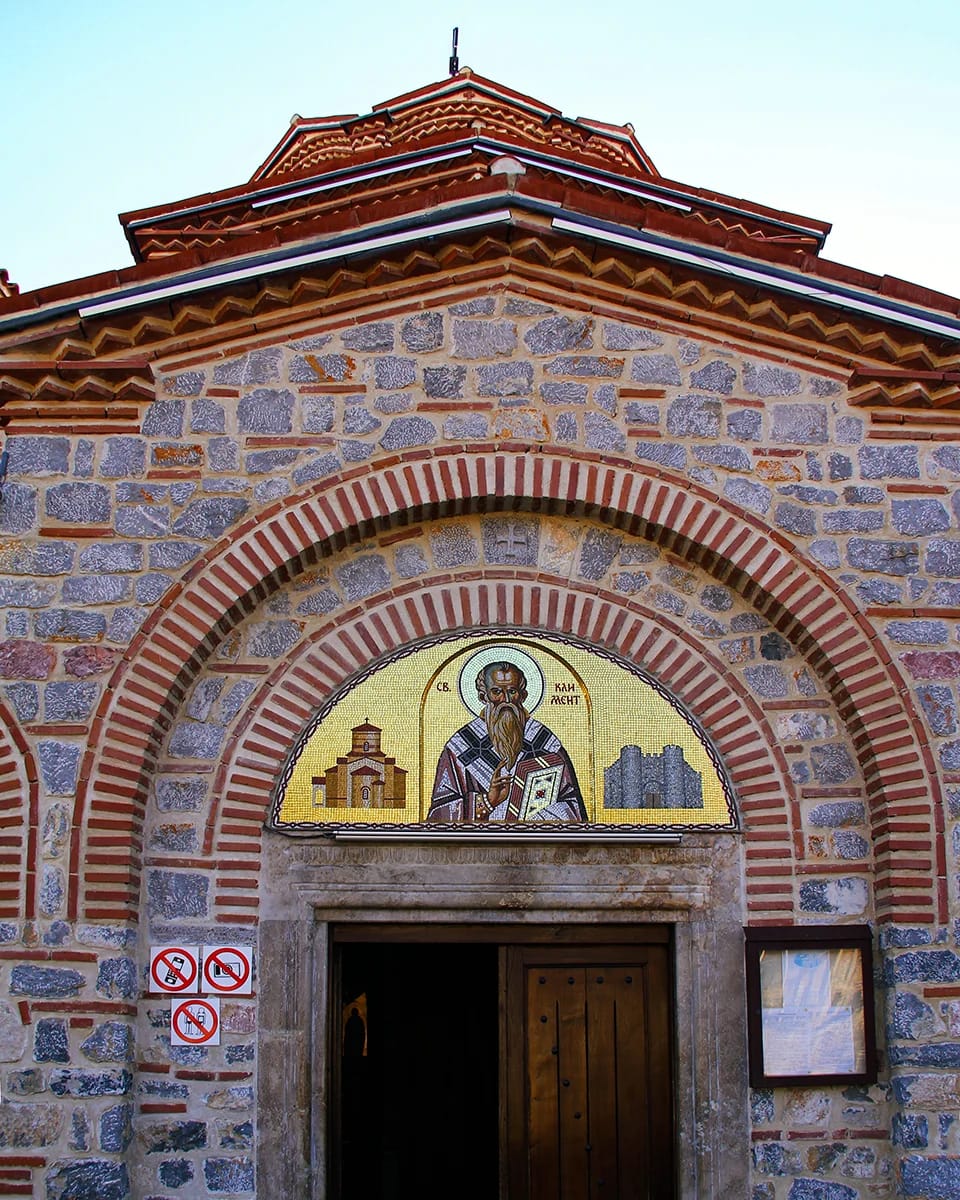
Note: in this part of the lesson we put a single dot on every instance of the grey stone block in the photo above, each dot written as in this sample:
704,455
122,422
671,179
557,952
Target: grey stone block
889,462
410,562
422,333
112,557
597,553
849,845
69,701
186,383
87,1179
630,582
266,410
37,456
228,1174
826,552
203,697
600,433
17,624
166,1137
505,379
78,503
729,458
177,894
832,764
558,333
17,594
629,337
853,520
391,372
69,625
391,403
259,366
164,418
910,1130
46,983
271,489
180,794
510,540
888,558
518,307
655,368
196,739
206,416
96,589
715,376
45,558
116,1128
605,397
50,1040
375,335
83,457
764,379
641,414
839,466
211,517
849,431
667,454
753,496
315,468
175,1172
234,699
223,454
807,494
466,427
175,838
920,516
125,458
940,708
272,639
746,425
324,601
445,383
483,339
142,520
170,555
59,767
593,366
363,576
264,462
482,306
800,424
918,633
18,507
24,698
453,545
563,393
317,414
405,432
354,451
767,681
796,520
565,428
359,420
110,1042
693,416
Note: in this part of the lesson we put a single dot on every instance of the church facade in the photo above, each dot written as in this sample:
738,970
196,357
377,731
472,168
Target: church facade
455,396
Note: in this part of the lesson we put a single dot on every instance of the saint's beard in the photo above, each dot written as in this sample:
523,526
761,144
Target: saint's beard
505,724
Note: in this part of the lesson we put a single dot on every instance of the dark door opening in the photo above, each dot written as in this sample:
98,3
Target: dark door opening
419,1063
480,1068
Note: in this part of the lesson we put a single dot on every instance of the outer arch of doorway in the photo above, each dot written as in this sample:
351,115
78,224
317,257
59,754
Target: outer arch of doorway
146,687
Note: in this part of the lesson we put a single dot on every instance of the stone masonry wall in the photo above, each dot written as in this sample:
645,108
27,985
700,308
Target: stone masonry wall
96,532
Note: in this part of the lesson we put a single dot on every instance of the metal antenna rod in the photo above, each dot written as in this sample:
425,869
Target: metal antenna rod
454,60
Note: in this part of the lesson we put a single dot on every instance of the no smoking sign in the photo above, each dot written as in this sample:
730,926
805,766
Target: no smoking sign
228,969
195,1023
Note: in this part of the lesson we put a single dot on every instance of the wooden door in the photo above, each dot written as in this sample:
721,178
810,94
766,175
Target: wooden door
590,1100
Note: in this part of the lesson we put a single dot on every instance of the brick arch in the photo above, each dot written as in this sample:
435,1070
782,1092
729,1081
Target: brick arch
526,603
799,598
19,820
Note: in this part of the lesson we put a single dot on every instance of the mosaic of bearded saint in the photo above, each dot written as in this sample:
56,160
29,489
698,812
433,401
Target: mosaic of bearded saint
504,765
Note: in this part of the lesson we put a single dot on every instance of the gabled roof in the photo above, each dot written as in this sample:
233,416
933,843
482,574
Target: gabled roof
475,167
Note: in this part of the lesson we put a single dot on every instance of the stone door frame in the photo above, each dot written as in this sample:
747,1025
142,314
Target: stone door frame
312,887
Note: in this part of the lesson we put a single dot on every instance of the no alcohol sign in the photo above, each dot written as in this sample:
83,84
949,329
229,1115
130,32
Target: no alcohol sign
195,1022
227,969
175,968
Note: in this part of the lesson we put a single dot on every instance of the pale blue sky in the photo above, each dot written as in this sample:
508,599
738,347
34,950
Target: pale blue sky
847,110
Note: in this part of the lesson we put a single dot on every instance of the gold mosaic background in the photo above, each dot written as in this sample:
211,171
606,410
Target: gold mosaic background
593,706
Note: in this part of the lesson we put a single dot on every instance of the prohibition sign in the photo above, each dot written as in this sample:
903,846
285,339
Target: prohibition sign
175,968
226,969
195,1023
